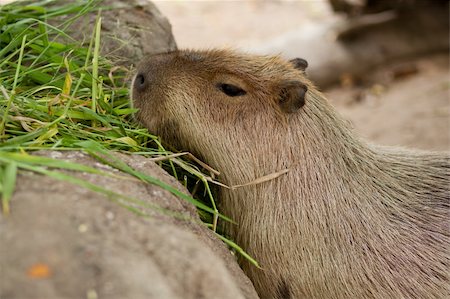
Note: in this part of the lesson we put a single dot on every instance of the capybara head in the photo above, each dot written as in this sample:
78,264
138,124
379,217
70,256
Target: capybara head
197,99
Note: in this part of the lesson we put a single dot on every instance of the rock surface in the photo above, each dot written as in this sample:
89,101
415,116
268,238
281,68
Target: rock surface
130,30
91,247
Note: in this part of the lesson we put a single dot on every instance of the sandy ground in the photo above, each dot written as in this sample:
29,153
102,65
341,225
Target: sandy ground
410,110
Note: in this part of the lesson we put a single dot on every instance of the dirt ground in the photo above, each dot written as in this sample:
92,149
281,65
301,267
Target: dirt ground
412,111
405,103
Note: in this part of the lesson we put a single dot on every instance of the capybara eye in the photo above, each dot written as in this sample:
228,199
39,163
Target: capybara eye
231,90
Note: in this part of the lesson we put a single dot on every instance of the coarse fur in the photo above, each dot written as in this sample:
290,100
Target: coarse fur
349,220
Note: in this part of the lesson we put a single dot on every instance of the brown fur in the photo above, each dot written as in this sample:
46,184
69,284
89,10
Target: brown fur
349,220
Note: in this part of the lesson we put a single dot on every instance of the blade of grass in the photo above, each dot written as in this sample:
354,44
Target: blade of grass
8,185
123,200
95,63
238,249
47,162
13,92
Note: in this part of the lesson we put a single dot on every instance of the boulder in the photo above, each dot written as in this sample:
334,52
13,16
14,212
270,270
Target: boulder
64,241
130,30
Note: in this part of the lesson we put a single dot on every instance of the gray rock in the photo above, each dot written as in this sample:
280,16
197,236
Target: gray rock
95,248
131,29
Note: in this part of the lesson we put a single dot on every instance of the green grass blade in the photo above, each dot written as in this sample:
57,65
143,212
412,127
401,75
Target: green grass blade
238,249
95,78
8,185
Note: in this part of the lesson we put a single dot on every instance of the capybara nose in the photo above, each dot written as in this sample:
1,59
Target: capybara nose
140,82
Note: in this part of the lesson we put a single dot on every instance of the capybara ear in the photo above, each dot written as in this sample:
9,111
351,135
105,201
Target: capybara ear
292,96
299,63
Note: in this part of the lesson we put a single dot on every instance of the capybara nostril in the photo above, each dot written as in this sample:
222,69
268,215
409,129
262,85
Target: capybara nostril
140,82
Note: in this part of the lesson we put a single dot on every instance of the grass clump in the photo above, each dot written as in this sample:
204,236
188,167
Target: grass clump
59,93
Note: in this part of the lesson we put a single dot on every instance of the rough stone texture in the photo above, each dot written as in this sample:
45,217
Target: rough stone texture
94,247
130,30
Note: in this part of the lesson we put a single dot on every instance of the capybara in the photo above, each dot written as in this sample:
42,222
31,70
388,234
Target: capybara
349,219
